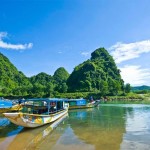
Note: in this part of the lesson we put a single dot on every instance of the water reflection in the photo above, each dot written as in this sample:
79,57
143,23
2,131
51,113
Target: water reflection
138,129
3,121
108,127
6,128
91,129
102,128
25,138
7,132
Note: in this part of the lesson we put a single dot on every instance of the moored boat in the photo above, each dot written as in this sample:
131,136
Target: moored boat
81,103
37,112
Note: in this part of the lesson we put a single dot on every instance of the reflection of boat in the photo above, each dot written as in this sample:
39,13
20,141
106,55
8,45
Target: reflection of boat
81,103
37,112
26,138
37,139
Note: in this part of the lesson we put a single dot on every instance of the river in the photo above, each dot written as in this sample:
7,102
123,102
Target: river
107,127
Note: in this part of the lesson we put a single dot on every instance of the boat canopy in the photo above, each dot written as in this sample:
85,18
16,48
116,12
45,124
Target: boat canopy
45,99
76,102
43,105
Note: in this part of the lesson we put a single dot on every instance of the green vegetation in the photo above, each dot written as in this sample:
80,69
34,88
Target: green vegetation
141,89
60,77
12,81
97,76
42,84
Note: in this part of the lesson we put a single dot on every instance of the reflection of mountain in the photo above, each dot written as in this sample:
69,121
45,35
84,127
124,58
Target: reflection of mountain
103,128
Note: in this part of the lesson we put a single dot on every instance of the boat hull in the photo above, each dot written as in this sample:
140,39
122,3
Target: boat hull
89,105
80,107
33,120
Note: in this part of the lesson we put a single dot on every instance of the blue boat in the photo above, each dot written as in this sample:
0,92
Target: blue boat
5,103
39,111
81,103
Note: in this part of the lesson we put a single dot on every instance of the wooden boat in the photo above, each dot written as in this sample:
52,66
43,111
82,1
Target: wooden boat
38,112
82,103
27,139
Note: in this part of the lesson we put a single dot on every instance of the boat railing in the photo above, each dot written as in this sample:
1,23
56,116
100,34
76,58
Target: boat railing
43,107
55,111
31,110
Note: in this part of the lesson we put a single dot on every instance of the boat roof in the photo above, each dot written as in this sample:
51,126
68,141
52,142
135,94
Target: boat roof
75,99
45,99
54,99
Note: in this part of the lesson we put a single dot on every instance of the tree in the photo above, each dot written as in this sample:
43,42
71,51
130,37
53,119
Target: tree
93,74
127,88
60,77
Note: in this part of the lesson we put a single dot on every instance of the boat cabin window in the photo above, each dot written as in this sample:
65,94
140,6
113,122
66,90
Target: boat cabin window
42,107
56,106
35,107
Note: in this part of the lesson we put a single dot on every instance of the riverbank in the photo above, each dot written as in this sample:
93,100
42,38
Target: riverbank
126,102
118,99
130,98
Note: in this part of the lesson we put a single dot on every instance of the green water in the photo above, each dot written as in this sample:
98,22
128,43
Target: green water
108,127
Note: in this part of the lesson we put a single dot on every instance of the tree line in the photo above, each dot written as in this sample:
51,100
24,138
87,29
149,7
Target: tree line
98,75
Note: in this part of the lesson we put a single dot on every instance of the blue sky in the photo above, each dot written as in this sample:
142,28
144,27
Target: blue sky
43,35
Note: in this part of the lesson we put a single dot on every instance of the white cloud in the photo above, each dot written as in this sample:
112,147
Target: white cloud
85,53
122,52
3,34
6,45
59,52
135,75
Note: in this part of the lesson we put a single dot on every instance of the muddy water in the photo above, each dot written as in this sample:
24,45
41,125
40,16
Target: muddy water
108,127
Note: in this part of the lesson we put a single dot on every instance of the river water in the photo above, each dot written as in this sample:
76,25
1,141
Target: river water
107,127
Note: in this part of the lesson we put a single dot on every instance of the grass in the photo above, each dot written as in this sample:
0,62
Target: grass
127,102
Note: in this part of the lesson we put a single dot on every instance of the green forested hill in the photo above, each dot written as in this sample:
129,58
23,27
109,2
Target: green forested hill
139,88
42,83
98,74
10,77
60,77
41,79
